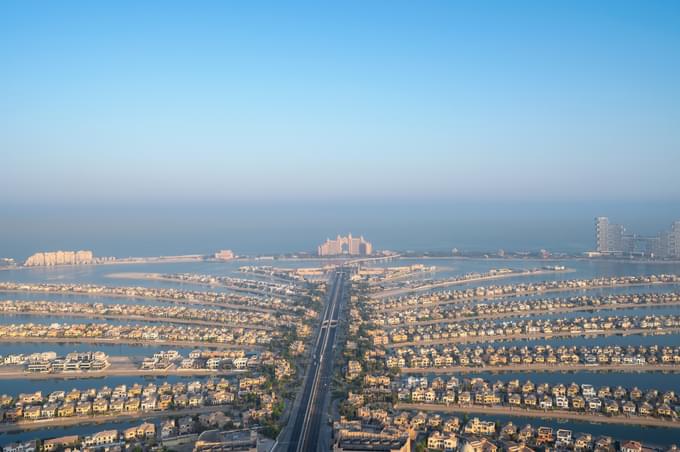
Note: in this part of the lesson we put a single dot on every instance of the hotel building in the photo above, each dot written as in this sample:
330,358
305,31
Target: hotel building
353,246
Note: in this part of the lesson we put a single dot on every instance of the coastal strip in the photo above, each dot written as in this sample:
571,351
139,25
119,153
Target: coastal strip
102,419
535,312
531,336
462,281
193,301
404,306
543,414
167,278
125,341
140,318
622,368
120,366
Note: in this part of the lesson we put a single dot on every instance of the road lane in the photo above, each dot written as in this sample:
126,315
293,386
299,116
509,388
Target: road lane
305,423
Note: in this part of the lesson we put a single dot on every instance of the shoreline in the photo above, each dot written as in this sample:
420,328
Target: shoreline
545,368
406,307
161,277
531,336
124,341
548,414
104,419
142,297
117,373
530,313
493,257
138,318
119,366
123,261
435,285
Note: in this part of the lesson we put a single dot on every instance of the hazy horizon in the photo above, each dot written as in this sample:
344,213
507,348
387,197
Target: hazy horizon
132,129
260,228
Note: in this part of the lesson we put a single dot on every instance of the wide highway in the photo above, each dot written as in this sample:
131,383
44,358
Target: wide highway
305,422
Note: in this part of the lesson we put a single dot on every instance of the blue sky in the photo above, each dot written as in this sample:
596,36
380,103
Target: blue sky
147,101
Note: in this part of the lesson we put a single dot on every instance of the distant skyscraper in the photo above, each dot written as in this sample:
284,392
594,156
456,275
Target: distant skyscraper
614,239
610,237
673,245
353,246
602,234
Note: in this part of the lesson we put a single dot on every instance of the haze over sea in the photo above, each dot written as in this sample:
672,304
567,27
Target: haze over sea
260,228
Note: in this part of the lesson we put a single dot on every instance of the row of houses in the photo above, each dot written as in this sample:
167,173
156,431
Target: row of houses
160,293
156,332
527,288
574,398
121,399
487,330
475,435
72,362
422,284
513,307
20,359
256,285
144,435
168,313
448,356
